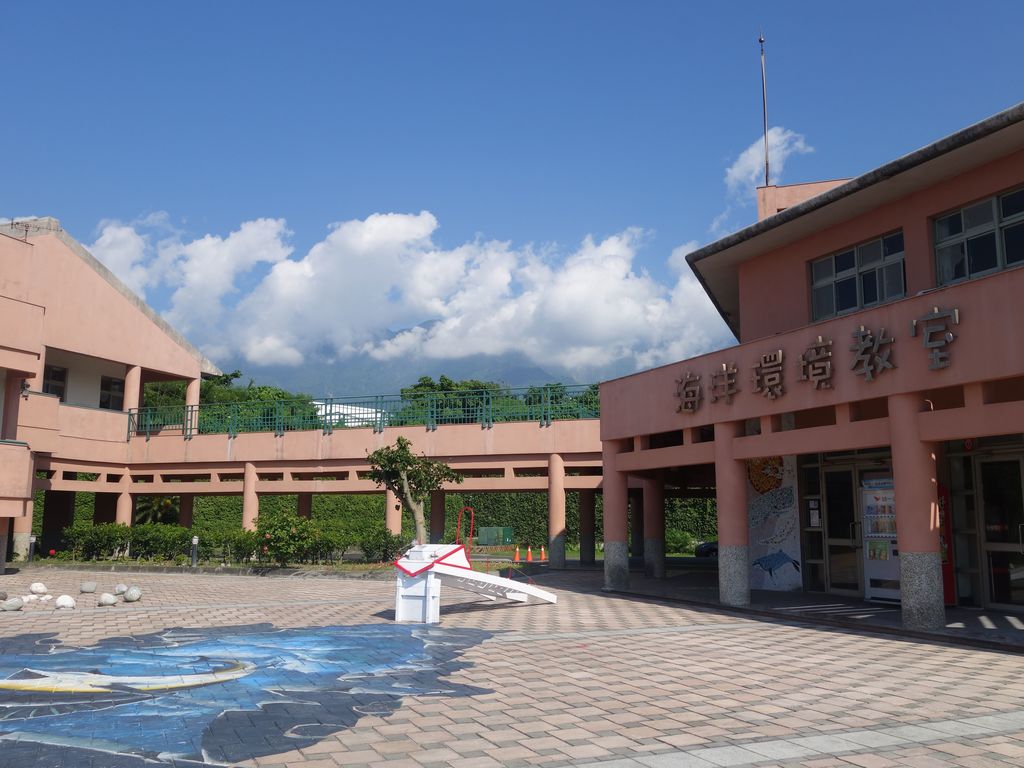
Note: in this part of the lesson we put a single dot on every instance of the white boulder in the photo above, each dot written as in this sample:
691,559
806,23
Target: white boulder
64,601
132,594
106,599
37,588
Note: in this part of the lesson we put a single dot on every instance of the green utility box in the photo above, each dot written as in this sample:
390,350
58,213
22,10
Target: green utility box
494,537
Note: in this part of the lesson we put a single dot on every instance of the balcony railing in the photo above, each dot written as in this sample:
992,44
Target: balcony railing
555,402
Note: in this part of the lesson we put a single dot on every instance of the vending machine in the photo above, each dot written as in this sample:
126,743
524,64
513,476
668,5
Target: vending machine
881,551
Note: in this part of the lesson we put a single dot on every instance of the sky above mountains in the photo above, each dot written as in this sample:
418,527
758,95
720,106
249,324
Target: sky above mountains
294,185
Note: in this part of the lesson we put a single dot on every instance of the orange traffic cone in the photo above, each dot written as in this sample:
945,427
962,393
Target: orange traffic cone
516,558
543,554
529,553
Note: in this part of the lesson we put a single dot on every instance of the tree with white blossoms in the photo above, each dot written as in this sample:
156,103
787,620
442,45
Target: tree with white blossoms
410,477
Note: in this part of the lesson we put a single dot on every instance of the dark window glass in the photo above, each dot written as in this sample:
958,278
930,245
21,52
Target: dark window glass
979,215
55,381
949,226
981,253
894,280
952,264
111,393
893,244
845,261
846,294
869,287
1013,203
869,253
1013,244
822,270
824,304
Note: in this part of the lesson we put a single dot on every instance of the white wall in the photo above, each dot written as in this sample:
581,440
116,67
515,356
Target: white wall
84,374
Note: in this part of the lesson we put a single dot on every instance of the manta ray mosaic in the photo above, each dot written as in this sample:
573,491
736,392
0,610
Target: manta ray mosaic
185,697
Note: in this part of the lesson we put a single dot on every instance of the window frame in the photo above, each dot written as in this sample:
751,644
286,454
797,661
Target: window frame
998,226
109,393
857,272
49,382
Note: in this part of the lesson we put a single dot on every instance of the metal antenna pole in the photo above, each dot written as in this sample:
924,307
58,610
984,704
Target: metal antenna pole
764,105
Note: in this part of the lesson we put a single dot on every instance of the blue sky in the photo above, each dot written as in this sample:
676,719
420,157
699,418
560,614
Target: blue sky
203,150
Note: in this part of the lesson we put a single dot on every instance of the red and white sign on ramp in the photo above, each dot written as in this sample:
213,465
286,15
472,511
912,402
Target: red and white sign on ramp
423,569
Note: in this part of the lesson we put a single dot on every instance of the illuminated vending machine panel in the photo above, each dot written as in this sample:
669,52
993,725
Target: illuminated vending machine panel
881,552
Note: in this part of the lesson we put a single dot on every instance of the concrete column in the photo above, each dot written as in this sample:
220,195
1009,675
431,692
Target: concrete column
733,528
192,392
125,506
654,528
636,521
556,511
22,530
305,505
250,501
615,488
132,387
917,517
12,404
587,554
392,513
186,505
436,516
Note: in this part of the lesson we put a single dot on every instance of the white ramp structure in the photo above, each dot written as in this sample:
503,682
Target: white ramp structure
425,567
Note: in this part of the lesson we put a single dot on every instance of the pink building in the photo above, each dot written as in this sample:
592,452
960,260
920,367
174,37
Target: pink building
865,436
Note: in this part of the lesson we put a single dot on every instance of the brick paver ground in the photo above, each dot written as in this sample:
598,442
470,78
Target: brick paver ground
595,680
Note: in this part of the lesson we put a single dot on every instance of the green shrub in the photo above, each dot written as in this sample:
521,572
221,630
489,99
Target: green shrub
284,537
677,542
156,541
92,542
382,546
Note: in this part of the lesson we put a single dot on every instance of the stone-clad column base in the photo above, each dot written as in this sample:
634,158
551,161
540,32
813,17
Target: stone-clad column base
616,565
556,551
921,595
21,545
654,558
733,575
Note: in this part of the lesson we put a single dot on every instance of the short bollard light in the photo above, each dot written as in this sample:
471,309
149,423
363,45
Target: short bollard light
195,551
31,548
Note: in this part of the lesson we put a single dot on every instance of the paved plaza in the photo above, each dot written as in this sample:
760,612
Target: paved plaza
312,672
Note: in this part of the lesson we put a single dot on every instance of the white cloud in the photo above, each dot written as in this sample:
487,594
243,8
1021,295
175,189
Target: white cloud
677,259
747,172
381,286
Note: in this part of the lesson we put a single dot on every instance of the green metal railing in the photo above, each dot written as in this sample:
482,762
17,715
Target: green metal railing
555,402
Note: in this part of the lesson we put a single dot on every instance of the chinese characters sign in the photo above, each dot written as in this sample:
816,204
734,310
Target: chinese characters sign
872,357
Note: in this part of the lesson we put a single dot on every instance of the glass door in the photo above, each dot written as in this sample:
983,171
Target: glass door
1002,500
842,529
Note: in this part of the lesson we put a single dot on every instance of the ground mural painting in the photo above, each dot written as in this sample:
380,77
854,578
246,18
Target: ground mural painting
217,696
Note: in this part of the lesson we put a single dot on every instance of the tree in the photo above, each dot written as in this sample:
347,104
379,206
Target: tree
410,477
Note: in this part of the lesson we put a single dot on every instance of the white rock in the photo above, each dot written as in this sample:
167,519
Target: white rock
45,598
37,588
65,601
106,599
132,594
120,589
29,598
87,587
13,604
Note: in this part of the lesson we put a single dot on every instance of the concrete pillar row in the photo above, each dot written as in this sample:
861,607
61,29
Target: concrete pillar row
654,528
392,512
436,532
587,527
125,505
556,511
733,526
186,506
917,517
614,485
250,500
305,505
636,520
132,387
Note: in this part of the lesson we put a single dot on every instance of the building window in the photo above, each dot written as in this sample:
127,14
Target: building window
111,393
55,381
980,239
868,274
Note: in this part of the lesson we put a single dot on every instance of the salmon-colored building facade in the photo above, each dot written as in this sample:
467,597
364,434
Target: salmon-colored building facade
865,436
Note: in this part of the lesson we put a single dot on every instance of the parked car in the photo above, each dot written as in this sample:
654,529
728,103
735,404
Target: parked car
706,549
